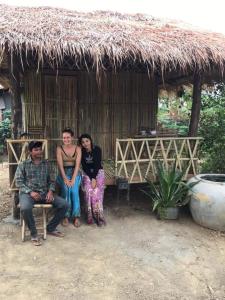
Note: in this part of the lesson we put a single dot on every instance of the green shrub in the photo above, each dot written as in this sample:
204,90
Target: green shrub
212,129
211,125
5,129
170,190
181,108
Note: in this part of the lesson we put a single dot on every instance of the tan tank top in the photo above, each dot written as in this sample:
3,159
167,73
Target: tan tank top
68,161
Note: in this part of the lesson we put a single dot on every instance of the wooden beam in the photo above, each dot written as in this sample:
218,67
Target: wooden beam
196,105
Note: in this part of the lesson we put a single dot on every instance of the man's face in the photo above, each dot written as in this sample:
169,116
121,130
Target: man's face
36,153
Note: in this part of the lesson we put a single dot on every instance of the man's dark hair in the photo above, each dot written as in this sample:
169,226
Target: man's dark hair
34,144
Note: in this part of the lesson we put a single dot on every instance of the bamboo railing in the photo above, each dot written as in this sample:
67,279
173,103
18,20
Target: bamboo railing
136,158
18,151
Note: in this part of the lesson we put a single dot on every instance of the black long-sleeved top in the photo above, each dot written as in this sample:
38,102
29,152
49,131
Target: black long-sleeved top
92,161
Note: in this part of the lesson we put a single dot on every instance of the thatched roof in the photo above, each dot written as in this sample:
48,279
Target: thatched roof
56,33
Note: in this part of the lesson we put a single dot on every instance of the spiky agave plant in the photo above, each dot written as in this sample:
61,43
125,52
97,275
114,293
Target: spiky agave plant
170,189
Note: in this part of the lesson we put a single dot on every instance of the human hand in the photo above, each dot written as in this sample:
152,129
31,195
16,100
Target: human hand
72,181
70,184
93,183
67,182
49,197
36,196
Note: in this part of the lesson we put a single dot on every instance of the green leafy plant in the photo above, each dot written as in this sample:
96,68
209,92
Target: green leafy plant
170,190
5,129
174,112
212,129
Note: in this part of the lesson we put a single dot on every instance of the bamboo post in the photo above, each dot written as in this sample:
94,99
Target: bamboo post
116,161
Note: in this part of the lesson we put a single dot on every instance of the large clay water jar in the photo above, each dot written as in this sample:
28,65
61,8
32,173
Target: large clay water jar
207,203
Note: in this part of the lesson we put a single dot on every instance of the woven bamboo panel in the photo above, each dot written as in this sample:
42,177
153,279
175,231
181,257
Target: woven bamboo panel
136,158
33,112
116,108
60,95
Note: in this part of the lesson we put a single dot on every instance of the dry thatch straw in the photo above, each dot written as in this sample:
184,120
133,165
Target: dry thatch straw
56,33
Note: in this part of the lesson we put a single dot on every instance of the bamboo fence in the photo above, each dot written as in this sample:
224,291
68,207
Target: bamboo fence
136,158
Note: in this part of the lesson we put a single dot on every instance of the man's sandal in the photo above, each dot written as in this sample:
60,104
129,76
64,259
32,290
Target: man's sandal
36,241
56,233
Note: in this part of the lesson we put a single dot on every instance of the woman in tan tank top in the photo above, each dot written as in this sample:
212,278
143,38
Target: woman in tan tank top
68,160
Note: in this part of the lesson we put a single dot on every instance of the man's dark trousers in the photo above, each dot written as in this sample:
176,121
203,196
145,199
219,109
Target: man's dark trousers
26,208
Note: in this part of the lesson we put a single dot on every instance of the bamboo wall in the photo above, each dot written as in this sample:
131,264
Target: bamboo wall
116,108
33,101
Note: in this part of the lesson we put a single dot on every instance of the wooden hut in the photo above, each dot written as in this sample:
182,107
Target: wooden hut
100,72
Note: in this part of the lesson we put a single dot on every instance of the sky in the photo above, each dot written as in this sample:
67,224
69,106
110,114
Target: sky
205,14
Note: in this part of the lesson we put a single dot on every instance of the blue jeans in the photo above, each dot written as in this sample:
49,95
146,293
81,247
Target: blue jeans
26,208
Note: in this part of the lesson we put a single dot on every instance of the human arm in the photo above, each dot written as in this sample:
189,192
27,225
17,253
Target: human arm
20,179
49,196
60,165
97,165
36,196
93,183
97,157
77,165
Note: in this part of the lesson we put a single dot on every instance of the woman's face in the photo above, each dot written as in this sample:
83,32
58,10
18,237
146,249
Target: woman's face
86,143
67,138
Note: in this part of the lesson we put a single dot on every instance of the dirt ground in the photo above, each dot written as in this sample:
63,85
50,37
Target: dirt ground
134,257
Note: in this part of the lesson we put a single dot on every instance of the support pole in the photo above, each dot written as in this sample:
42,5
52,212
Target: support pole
14,81
196,105
14,76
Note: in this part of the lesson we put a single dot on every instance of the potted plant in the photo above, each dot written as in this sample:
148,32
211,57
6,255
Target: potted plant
169,192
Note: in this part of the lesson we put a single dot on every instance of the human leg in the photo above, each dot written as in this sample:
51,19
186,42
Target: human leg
76,201
87,198
26,207
97,198
65,194
61,206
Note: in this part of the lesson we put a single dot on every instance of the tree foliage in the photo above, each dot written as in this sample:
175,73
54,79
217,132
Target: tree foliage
174,113
211,125
212,129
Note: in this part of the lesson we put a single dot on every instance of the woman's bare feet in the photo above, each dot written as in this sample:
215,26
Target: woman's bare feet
65,222
101,221
76,222
90,221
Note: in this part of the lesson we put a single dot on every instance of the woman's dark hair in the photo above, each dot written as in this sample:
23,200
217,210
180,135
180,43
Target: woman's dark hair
85,136
68,130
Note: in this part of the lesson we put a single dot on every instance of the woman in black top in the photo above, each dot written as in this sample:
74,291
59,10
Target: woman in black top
93,179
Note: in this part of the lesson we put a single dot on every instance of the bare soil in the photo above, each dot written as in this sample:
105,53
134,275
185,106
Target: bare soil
134,257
